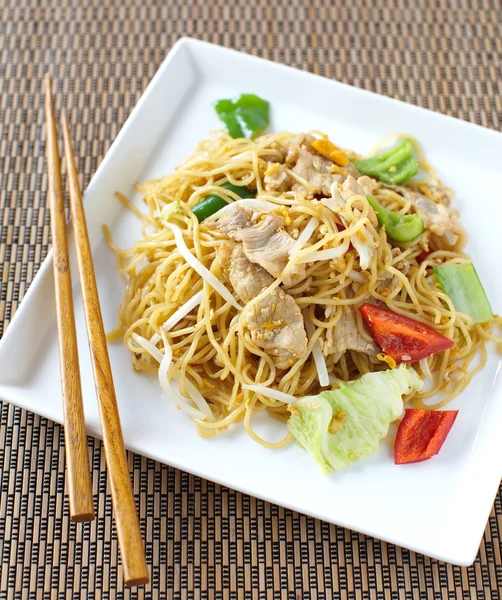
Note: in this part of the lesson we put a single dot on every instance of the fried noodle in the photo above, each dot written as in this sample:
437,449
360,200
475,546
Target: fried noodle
221,374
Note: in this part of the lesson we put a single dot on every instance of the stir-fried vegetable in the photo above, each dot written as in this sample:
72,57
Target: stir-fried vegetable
402,338
246,116
462,284
400,228
421,434
422,256
393,166
212,204
341,426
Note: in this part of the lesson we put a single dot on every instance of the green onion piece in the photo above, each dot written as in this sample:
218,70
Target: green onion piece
461,283
246,116
400,228
212,204
393,166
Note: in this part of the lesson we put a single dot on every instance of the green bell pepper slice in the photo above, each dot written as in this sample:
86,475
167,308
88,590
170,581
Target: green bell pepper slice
213,203
245,117
400,228
393,166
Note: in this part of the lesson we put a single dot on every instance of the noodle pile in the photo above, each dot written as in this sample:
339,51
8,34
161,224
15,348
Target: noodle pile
175,323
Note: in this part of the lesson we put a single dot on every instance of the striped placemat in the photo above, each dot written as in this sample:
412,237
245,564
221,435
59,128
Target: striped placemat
202,540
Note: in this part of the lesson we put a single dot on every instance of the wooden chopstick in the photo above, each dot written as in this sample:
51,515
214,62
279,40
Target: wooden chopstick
126,517
77,454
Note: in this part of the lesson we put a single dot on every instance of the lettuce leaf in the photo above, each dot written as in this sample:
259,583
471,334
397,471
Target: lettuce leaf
341,426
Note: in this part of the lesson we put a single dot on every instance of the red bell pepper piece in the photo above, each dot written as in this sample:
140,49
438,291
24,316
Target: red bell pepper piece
421,434
402,338
422,256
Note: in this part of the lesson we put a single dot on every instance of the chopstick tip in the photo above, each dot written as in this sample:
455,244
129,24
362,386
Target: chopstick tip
48,81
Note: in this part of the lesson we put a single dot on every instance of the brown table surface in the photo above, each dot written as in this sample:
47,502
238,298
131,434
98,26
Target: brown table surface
202,540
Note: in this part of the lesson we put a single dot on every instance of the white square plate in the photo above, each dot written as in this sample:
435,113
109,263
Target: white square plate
439,507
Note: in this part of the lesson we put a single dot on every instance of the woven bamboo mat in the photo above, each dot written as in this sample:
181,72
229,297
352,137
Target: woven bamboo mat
202,540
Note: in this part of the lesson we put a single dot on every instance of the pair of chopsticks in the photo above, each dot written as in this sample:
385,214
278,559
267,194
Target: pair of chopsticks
80,488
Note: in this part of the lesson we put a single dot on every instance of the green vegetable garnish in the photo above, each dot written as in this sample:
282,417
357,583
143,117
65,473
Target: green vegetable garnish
339,427
212,204
400,228
461,283
393,166
246,116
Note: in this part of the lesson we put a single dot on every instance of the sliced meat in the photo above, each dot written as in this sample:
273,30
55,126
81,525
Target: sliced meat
247,279
345,336
445,195
363,186
275,322
315,173
277,179
233,220
437,217
277,154
266,244
276,325
225,254
303,141
264,240
305,162
316,170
